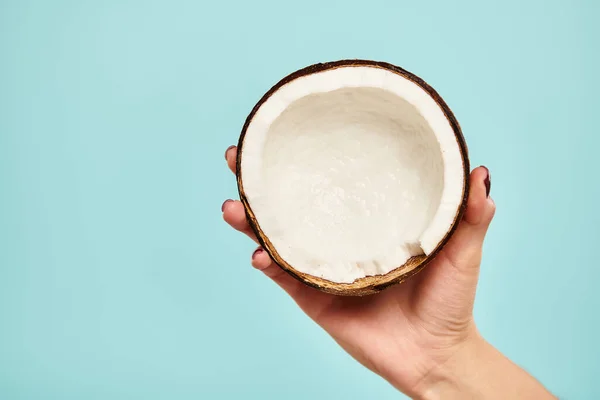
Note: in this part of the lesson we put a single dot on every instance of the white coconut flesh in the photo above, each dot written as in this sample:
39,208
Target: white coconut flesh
351,171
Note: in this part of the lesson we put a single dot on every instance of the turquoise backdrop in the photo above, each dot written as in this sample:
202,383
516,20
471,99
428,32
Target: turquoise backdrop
118,278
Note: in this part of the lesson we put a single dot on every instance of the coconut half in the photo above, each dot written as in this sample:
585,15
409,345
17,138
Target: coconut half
353,175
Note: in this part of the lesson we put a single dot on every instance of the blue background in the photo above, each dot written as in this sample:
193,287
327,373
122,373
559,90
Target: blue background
118,278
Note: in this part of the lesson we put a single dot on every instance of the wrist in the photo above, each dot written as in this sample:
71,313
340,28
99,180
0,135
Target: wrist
459,375
478,370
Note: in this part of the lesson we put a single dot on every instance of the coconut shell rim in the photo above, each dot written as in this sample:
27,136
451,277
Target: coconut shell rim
374,283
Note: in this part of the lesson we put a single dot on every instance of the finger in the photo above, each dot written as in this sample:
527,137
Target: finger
230,156
235,215
262,262
464,248
452,280
309,299
480,208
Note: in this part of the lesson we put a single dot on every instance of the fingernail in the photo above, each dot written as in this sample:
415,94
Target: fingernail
227,151
257,252
487,182
225,202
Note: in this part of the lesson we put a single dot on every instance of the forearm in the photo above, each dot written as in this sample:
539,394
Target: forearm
479,371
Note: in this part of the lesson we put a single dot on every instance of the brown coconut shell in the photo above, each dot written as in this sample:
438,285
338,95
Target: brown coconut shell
369,284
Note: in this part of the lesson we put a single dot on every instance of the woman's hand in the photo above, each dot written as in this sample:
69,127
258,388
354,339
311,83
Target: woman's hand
419,335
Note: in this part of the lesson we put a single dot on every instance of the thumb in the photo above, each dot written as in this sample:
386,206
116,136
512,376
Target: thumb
464,248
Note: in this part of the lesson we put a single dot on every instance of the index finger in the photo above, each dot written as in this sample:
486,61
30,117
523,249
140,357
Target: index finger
230,156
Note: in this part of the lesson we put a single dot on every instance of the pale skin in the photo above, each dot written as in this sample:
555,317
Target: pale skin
420,335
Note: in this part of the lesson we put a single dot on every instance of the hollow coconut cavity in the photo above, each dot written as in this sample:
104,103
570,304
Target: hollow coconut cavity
353,175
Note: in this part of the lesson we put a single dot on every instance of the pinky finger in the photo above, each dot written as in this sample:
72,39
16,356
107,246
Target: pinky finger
310,300
261,260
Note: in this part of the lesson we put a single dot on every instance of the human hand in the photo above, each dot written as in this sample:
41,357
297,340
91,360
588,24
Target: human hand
411,333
